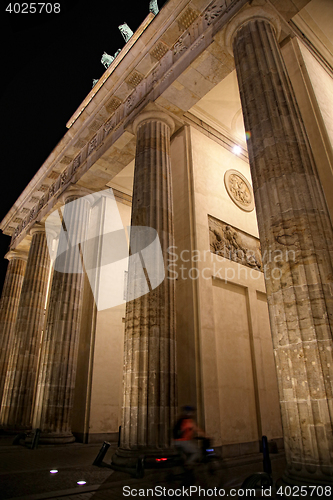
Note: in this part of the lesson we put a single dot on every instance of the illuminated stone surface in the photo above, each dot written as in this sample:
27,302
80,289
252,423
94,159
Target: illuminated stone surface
10,299
292,217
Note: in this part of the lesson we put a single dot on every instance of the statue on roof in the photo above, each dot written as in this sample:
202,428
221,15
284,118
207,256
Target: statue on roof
126,31
106,60
153,7
94,82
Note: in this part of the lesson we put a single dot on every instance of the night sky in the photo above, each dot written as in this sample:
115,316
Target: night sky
48,63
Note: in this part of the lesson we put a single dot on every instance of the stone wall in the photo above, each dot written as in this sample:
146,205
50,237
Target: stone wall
232,356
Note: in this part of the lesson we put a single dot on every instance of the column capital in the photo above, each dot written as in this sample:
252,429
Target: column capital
73,193
39,227
154,115
265,13
16,254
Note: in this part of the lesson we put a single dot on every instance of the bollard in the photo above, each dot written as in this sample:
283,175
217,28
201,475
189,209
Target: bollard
266,461
101,454
35,439
140,467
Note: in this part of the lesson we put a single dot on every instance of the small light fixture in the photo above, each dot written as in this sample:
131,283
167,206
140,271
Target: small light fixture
81,482
53,471
237,150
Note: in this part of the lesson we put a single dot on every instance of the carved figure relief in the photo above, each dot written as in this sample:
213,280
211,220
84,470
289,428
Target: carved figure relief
239,190
109,126
182,44
214,11
92,145
41,203
76,162
234,244
64,176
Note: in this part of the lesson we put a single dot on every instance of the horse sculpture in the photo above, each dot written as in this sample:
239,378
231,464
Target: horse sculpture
126,31
106,60
153,7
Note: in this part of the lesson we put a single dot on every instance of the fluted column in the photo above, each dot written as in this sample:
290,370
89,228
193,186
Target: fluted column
56,383
149,401
295,228
21,375
9,307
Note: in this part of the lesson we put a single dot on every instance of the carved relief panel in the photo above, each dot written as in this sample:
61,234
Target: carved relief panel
234,244
239,190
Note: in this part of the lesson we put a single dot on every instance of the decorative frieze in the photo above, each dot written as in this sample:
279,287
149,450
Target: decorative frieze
41,203
187,18
181,45
113,104
95,125
64,177
134,79
76,162
80,144
233,244
159,50
214,11
92,145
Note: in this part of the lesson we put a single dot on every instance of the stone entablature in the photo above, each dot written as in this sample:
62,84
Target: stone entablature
188,33
160,53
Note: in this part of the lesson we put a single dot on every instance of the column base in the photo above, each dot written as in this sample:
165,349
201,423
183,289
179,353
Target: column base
131,461
53,438
305,478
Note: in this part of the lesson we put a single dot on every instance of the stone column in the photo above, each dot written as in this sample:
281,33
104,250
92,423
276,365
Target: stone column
21,375
297,245
56,383
149,402
9,307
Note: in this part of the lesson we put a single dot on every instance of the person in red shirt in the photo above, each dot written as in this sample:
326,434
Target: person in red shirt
185,433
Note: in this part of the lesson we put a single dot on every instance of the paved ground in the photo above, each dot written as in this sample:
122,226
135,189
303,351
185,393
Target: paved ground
25,474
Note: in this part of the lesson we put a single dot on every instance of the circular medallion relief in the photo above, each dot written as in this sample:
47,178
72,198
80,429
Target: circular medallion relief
239,190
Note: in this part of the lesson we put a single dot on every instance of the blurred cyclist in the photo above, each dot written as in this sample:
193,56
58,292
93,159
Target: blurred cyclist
185,435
